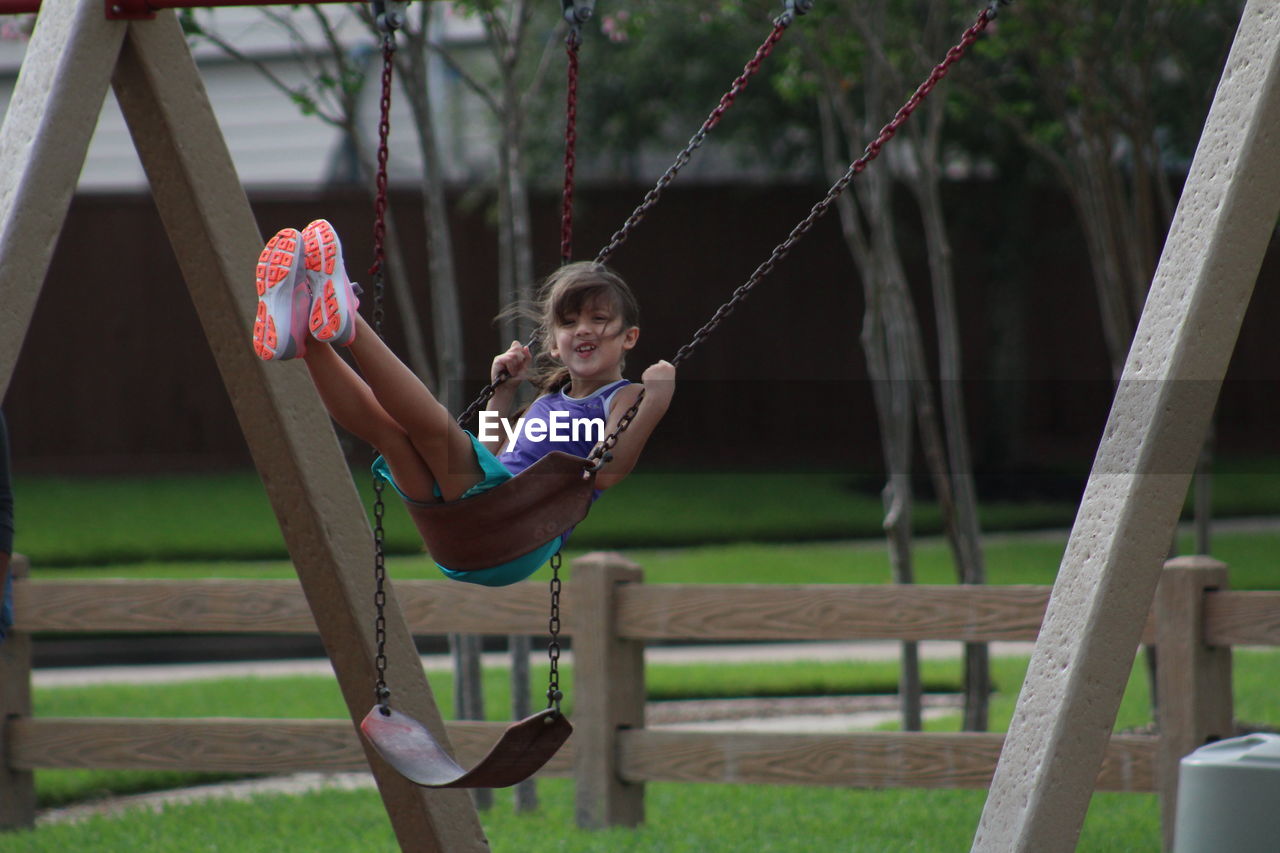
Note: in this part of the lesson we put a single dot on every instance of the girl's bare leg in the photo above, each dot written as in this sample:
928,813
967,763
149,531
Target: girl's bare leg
437,438
352,404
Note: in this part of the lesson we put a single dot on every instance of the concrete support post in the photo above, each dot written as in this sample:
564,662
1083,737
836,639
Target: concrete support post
1083,656
216,240
43,142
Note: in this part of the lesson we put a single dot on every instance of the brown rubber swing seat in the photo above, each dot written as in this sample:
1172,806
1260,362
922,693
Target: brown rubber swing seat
511,519
480,532
408,746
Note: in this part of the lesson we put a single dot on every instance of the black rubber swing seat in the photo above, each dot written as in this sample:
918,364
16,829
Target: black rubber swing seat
510,520
409,747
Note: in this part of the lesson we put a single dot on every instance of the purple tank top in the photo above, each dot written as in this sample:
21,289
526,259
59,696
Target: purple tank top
557,421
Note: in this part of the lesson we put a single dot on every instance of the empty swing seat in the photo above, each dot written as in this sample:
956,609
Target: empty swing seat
409,747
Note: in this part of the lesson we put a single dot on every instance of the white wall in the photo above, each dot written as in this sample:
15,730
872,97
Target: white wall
272,143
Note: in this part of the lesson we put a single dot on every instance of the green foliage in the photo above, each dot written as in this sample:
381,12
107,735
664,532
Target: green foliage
655,69
304,102
1145,70
678,817
190,25
333,75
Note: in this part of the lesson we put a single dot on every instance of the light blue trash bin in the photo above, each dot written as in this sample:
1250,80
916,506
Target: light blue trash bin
1229,797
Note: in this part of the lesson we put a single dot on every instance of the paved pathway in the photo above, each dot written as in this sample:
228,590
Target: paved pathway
736,653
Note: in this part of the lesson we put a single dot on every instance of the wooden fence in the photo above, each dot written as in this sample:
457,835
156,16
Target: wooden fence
611,614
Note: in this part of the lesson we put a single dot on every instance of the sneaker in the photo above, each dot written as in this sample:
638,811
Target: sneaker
284,297
333,299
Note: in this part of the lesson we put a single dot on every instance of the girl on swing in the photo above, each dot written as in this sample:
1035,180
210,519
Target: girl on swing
587,320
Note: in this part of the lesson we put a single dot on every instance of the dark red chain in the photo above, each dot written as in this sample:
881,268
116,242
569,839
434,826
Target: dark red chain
870,153
572,42
601,454
380,181
381,691
651,198
780,25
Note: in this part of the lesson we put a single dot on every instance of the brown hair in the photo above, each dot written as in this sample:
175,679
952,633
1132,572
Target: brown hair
566,292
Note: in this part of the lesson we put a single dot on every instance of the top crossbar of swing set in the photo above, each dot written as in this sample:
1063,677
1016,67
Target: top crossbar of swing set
141,10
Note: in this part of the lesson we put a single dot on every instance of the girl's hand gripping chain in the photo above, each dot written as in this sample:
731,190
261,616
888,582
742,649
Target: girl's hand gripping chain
659,382
515,362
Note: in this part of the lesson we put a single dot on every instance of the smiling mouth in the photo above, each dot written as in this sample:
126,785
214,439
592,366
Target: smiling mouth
585,349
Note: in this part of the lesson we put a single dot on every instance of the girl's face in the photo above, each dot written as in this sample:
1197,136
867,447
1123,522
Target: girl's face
592,341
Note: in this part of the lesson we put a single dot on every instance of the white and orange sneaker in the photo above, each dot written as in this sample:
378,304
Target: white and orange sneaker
333,297
284,297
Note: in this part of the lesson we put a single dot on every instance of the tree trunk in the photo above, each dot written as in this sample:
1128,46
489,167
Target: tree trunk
445,311
964,497
526,793
892,399
468,693
521,231
886,365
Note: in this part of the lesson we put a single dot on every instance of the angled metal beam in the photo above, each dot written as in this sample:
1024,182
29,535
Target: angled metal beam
1158,421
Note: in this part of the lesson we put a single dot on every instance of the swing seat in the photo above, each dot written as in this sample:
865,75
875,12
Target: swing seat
408,746
511,519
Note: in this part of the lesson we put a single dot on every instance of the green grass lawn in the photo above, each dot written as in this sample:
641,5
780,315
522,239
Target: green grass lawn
723,528
95,521
678,817
1010,559
68,522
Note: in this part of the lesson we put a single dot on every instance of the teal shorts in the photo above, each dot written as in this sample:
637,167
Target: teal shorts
495,473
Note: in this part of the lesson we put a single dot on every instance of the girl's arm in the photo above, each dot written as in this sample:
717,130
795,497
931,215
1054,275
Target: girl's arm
515,361
659,384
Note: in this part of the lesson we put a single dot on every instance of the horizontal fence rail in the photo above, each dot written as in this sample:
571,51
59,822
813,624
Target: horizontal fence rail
862,760
645,612
612,614
267,607
872,759
1242,618
220,745
831,612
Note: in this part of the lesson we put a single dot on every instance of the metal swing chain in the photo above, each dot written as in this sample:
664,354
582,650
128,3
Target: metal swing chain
794,8
388,22
554,694
577,13
602,453
871,152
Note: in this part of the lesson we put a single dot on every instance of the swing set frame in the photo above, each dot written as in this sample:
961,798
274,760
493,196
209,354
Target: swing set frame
1045,774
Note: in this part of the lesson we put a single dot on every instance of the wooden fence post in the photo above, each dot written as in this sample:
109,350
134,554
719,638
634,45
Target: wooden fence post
17,787
1193,679
609,692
